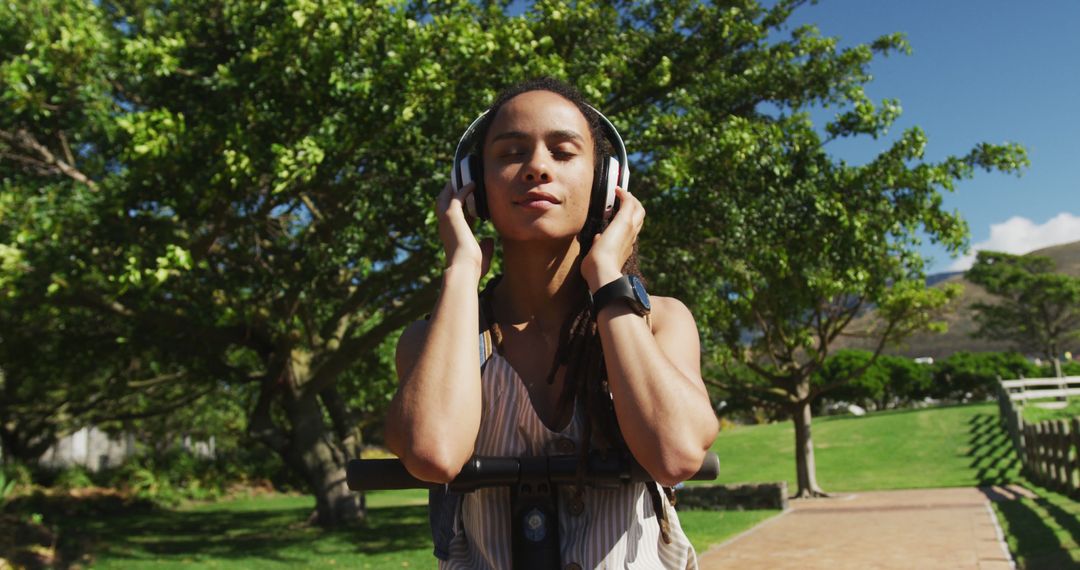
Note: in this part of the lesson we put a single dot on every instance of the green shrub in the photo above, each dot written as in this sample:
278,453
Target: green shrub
971,376
1068,368
74,477
890,382
167,478
7,487
17,473
177,474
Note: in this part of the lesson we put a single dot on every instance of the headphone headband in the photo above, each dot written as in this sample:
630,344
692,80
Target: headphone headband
620,148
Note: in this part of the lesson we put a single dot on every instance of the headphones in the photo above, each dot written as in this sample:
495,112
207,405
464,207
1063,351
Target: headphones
611,171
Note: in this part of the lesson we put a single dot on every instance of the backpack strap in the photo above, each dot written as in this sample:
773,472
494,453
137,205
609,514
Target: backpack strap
487,347
658,509
444,510
491,338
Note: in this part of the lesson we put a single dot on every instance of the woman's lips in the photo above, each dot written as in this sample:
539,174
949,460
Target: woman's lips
538,201
537,204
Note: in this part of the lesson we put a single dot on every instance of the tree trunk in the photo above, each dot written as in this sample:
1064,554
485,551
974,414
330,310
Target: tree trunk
26,441
315,453
805,468
1057,374
293,423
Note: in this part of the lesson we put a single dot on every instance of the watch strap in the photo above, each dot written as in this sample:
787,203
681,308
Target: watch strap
619,289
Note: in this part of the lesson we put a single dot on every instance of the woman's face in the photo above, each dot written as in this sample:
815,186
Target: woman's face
538,167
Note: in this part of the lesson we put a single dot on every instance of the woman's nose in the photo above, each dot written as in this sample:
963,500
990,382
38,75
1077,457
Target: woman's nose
536,168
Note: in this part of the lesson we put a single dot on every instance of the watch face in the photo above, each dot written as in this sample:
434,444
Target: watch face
640,293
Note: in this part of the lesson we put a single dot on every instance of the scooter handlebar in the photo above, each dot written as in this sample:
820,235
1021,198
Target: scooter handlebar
479,471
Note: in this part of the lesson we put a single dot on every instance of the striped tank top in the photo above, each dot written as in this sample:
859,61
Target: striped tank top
602,528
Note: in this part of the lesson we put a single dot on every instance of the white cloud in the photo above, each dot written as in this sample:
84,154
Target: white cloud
1021,235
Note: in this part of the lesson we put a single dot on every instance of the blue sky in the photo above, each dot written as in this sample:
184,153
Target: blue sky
980,70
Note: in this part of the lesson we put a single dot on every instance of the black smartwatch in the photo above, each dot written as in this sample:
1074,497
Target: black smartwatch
626,288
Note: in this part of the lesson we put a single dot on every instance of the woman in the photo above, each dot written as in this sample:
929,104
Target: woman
569,374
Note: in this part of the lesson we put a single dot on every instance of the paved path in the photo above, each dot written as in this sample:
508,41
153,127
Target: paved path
924,529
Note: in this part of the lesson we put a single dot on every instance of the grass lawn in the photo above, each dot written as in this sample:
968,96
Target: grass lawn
1033,414
268,531
261,532
706,528
905,449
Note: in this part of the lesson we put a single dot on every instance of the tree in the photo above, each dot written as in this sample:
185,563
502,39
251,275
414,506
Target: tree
1037,309
779,245
246,188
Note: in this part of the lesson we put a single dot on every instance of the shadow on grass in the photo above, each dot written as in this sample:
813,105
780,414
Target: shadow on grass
1042,533
1037,545
225,532
993,458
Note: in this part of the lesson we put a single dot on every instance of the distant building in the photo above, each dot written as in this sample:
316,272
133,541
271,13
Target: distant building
90,448
95,450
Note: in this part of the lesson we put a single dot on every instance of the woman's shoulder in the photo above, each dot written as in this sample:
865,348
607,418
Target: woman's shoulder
412,339
669,312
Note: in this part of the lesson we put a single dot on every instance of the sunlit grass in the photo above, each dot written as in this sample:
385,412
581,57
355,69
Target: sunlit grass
1033,413
941,447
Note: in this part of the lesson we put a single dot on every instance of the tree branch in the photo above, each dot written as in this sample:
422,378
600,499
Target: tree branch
160,410
25,140
354,348
407,272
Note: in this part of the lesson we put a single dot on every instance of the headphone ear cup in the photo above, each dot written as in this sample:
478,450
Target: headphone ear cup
598,200
613,170
476,202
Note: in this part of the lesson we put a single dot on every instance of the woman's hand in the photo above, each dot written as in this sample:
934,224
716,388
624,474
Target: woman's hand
611,248
455,230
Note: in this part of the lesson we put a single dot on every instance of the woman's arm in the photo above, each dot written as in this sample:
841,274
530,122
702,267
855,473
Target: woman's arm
654,373
655,379
434,417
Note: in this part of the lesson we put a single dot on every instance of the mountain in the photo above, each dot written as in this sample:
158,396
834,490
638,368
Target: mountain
936,278
960,320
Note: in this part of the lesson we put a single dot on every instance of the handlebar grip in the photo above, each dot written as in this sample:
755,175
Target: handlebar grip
710,468
380,474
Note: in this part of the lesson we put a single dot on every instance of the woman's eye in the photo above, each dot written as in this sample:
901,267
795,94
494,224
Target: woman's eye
562,155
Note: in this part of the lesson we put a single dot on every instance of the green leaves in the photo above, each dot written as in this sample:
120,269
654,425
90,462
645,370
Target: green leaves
1037,309
153,133
296,165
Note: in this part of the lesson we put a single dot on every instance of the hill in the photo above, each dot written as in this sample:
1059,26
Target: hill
961,320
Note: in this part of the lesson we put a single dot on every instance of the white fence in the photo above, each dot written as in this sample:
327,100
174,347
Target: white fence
1049,450
1040,388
